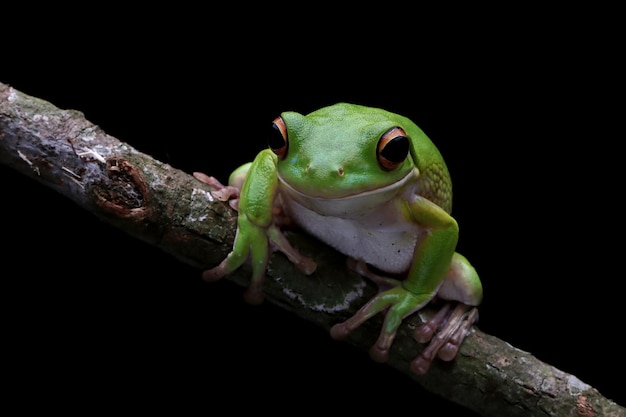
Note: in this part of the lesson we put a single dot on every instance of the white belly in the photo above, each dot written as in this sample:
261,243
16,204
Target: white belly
379,238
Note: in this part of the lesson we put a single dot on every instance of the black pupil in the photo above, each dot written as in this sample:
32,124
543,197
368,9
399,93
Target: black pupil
396,149
276,140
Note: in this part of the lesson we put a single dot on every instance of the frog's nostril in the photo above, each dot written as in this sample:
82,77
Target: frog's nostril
340,172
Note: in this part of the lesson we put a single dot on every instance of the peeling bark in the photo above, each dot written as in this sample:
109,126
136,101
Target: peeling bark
170,209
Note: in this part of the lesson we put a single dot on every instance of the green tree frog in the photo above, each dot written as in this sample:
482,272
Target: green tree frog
371,184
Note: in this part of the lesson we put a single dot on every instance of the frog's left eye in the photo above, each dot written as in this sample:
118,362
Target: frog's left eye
278,141
393,148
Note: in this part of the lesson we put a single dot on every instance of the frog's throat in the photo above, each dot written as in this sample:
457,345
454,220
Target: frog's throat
344,204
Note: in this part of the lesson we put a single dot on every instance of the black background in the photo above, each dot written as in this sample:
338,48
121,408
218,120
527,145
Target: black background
521,122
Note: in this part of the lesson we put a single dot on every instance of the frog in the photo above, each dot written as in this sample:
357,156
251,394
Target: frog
372,185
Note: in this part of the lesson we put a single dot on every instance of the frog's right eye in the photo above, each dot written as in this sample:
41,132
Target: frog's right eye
278,140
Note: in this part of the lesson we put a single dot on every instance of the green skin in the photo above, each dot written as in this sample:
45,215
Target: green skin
331,172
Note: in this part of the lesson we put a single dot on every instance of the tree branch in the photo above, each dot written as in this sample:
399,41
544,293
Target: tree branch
170,209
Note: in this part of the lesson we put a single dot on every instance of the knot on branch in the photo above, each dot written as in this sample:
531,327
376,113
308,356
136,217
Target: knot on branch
123,192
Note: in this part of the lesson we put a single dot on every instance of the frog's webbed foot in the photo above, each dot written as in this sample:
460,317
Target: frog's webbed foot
383,302
444,333
396,303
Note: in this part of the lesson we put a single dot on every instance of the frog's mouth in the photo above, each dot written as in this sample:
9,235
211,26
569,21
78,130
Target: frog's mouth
343,206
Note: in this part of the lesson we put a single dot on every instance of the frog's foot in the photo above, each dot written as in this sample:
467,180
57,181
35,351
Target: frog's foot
444,333
216,273
254,292
251,244
396,303
255,247
222,192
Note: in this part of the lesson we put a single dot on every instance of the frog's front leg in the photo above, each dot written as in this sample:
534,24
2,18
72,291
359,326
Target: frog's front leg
258,232
436,271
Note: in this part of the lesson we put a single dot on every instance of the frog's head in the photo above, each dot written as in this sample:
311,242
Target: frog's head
343,150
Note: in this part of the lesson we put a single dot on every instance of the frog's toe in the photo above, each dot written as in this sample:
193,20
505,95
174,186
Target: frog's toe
208,179
226,193
449,350
253,295
279,242
221,192
214,274
306,265
445,331
425,332
340,331
379,352
374,306
420,365
228,265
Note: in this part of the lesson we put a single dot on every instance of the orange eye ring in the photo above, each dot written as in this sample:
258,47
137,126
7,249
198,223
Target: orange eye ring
279,141
392,149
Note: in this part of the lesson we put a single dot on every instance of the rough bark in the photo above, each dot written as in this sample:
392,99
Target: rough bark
172,210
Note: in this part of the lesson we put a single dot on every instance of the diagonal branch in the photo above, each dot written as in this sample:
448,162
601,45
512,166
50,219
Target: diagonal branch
170,209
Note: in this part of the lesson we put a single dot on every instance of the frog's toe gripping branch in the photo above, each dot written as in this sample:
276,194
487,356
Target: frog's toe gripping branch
250,242
254,292
445,332
214,274
222,192
233,261
342,330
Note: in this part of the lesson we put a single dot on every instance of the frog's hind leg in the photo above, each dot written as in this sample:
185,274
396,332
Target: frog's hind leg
460,292
444,331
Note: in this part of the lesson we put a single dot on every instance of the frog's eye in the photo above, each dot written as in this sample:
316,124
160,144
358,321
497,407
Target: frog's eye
278,140
393,148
